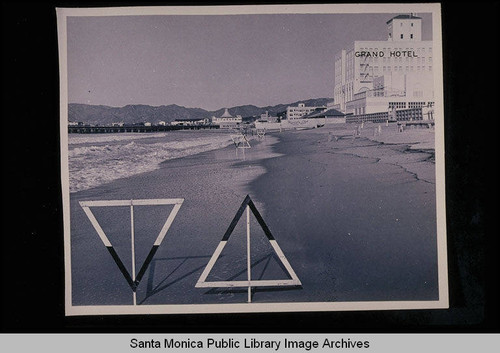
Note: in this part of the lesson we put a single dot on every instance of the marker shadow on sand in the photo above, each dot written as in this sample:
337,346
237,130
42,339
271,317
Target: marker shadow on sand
266,259
163,284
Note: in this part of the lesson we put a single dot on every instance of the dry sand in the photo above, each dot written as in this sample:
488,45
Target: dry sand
355,218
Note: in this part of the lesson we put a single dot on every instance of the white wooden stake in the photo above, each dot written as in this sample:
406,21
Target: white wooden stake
132,240
248,257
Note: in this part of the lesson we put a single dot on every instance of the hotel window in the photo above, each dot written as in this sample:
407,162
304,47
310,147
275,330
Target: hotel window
401,36
416,104
397,105
411,24
411,35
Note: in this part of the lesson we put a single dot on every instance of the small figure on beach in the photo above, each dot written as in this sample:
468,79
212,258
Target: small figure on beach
357,132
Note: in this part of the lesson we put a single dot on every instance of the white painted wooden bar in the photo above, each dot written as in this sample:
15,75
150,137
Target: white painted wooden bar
132,241
252,283
140,202
249,259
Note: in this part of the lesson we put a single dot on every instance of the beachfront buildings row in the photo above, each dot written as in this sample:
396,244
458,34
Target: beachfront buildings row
190,122
225,121
380,76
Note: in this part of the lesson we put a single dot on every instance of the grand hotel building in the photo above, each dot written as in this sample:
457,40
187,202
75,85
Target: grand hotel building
374,76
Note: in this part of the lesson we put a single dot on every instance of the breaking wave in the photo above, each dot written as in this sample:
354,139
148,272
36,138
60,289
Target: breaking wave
98,159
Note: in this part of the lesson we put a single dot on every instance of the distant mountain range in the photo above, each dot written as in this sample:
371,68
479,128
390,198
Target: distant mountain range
129,114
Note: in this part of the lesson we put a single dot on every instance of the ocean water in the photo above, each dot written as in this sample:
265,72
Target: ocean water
98,159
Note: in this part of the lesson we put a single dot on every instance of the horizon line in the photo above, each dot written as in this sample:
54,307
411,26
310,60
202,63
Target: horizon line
182,106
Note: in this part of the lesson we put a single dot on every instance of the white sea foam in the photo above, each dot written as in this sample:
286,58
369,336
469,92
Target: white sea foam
98,159
100,138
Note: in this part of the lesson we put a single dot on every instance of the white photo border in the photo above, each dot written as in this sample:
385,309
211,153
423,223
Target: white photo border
433,8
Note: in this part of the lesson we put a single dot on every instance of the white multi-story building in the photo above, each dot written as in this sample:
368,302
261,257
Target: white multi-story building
299,111
373,75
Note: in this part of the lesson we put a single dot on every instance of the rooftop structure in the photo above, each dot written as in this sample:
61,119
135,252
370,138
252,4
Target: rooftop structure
404,28
227,121
226,114
325,113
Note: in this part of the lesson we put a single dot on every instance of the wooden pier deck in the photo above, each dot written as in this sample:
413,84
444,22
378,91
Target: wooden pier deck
84,129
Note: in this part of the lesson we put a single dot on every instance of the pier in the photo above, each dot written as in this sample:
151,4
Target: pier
87,129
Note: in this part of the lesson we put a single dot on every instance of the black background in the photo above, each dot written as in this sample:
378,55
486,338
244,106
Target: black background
32,263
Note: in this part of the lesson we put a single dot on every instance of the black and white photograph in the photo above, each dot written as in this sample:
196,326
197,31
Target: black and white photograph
231,159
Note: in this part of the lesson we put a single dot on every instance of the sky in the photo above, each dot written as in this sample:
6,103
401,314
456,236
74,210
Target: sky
212,62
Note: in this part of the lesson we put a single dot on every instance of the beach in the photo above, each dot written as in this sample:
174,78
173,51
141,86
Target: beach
355,217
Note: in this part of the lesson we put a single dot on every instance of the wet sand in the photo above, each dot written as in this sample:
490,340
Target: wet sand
358,225
353,220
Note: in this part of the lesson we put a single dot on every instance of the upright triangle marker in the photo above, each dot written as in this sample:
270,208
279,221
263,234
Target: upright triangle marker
132,279
248,205
240,141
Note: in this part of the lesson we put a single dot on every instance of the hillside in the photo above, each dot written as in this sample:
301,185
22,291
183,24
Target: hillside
129,114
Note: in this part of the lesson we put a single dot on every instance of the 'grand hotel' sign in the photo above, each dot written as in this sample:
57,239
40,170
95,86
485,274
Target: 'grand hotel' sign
381,54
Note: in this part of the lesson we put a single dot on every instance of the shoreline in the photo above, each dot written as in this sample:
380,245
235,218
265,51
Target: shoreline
419,143
100,159
417,146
